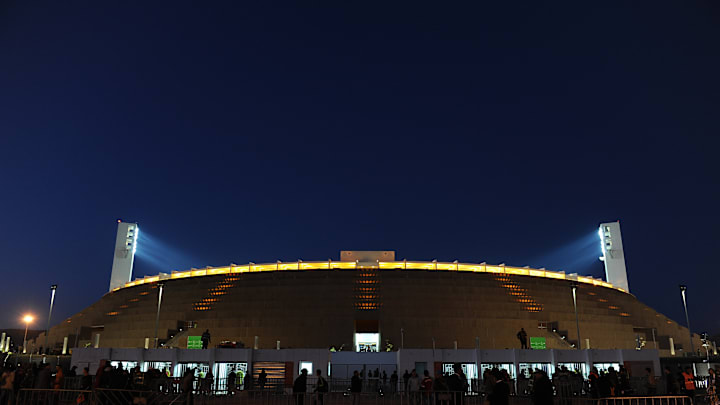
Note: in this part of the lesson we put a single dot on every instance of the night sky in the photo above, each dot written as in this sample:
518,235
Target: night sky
233,132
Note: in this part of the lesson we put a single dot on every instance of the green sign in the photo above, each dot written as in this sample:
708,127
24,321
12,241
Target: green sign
194,342
538,343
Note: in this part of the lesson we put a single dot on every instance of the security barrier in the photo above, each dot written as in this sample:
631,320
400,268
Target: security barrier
267,397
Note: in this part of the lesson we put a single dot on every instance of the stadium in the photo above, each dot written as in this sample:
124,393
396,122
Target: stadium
367,301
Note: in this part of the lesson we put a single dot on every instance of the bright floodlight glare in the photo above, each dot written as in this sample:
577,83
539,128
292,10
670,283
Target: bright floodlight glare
137,235
28,318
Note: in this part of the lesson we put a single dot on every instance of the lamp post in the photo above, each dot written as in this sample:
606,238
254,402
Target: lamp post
27,319
157,317
52,302
574,286
683,288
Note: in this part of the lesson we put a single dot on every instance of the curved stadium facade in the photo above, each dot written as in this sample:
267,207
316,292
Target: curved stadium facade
413,304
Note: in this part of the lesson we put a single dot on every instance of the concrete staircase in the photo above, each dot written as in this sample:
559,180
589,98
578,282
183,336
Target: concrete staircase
561,336
178,340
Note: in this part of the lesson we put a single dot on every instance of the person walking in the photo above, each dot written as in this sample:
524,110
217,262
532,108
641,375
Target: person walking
457,384
321,388
71,372
440,387
231,383
614,380
604,385
413,388
500,393
85,385
522,337
59,378
625,389
712,398
671,384
394,381
187,386
204,384
248,381
355,387
426,385
542,391
102,375
209,382
689,383
7,385
650,383
44,378
561,379
58,383
205,338
488,381
594,382
86,380
300,387
262,379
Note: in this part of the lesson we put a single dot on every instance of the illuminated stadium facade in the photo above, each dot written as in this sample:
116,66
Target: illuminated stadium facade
368,301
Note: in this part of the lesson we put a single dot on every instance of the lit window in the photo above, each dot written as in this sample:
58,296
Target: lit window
367,342
307,365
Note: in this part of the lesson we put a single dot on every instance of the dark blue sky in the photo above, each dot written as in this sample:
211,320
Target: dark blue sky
498,133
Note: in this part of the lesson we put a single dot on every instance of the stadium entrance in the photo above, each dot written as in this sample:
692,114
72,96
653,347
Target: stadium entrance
367,335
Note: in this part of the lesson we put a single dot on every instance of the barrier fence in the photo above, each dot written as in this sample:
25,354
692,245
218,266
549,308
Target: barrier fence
96,397
654,400
638,386
29,396
167,391
139,397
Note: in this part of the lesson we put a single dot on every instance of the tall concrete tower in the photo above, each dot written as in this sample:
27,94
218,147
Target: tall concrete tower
125,246
613,256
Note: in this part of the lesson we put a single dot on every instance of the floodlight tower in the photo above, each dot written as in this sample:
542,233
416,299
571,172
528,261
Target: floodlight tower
613,256
125,246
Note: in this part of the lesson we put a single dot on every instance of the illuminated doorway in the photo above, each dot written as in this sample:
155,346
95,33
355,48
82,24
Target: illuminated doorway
367,342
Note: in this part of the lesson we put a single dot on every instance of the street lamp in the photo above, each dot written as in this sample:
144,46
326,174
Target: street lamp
683,289
706,345
574,287
52,302
27,319
157,317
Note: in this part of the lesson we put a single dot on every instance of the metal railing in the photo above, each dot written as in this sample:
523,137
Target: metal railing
30,396
96,397
340,398
576,387
519,387
102,396
124,397
654,400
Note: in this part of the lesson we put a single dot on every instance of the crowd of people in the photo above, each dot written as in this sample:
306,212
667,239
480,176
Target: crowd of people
617,383
683,383
421,388
42,376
